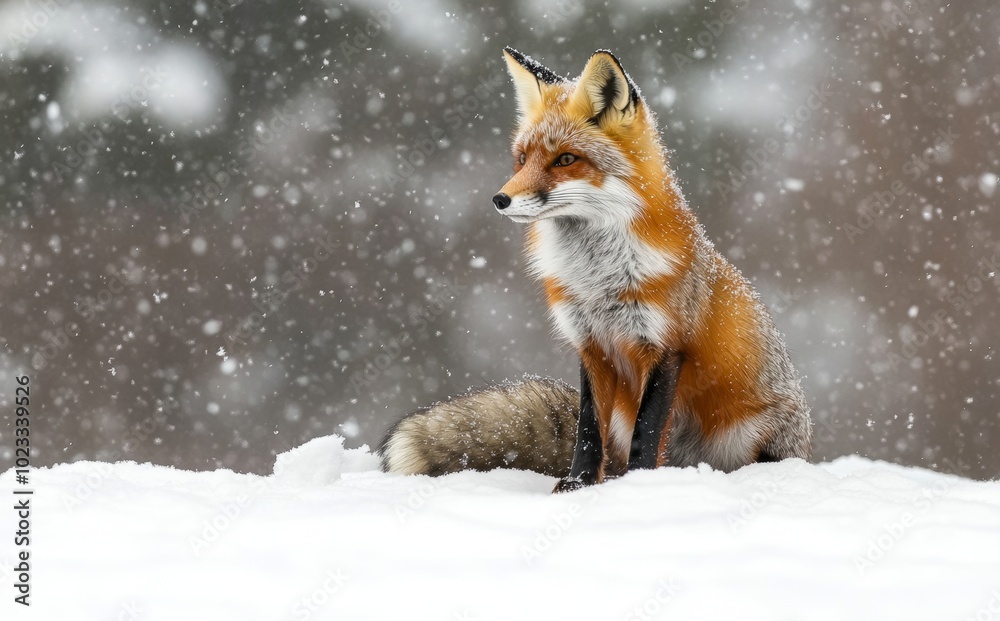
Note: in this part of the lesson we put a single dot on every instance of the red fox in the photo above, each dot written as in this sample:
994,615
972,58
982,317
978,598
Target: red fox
679,362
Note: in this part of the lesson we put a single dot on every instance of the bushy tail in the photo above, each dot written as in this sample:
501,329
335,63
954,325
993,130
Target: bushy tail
526,425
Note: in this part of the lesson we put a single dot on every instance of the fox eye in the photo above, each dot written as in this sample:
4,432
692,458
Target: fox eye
521,159
565,159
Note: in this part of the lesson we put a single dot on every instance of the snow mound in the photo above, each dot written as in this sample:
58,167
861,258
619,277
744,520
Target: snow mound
321,462
328,536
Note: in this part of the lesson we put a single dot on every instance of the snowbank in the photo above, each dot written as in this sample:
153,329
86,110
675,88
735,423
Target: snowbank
329,537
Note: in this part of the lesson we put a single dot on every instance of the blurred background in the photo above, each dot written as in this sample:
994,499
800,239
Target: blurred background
230,226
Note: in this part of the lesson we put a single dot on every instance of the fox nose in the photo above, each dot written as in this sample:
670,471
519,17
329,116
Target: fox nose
502,201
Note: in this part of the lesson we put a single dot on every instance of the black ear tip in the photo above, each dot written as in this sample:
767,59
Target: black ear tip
539,70
614,58
609,53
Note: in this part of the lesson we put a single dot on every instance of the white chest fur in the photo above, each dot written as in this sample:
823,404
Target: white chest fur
595,264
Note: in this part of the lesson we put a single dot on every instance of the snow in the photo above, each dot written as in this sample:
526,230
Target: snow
178,84
328,536
988,184
794,185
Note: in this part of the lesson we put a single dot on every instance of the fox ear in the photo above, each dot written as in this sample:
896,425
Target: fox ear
605,90
530,77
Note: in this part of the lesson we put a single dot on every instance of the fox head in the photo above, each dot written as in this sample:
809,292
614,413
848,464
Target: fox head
584,148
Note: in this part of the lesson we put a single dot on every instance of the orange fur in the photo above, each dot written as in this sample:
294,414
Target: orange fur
555,292
538,173
728,348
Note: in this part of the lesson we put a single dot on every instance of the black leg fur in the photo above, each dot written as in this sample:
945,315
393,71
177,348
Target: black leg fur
657,400
589,451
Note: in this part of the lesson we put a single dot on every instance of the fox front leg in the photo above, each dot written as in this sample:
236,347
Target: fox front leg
657,400
589,452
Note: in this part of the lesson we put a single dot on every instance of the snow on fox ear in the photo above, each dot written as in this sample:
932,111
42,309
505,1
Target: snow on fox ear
530,77
604,90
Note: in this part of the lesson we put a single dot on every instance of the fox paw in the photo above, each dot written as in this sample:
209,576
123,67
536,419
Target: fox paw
568,485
